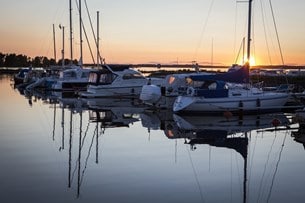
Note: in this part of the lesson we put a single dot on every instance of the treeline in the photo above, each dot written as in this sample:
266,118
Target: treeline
14,60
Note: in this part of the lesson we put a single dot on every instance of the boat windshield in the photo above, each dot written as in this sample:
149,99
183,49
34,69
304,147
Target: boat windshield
68,74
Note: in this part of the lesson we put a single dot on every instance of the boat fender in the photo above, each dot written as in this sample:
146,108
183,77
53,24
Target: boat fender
190,91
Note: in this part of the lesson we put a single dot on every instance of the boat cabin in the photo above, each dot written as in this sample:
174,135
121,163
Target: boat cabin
74,73
209,89
107,76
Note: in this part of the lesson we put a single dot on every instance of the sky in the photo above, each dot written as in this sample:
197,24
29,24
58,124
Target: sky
159,31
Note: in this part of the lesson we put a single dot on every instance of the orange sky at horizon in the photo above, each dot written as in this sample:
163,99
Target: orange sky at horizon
158,32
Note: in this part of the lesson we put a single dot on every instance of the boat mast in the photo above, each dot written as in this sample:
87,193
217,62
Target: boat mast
80,34
54,43
249,31
63,46
248,62
97,40
71,33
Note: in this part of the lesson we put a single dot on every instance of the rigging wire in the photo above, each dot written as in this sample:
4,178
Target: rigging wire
277,34
87,158
204,28
265,32
87,39
265,167
94,36
277,37
85,134
276,167
240,49
196,176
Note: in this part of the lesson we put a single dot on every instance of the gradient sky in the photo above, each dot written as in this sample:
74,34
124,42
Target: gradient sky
158,31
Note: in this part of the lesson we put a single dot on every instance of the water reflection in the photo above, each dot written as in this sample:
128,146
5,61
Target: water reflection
299,135
83,128
114,113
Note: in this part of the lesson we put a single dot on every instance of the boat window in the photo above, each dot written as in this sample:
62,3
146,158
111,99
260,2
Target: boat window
213,86
129,76
188,81
198,83
194,83
105,114
92,77
131,115
171,80
107,78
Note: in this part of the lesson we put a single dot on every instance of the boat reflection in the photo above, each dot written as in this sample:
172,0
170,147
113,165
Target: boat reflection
227,131
218,131
114,112
299,135
113,118
198,126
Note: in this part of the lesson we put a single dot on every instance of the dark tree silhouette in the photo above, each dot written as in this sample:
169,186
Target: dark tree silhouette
14,60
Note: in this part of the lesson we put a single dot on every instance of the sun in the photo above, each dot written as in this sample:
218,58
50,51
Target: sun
252,61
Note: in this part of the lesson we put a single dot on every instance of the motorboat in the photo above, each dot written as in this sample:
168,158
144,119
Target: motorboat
20,76
73,78
117,81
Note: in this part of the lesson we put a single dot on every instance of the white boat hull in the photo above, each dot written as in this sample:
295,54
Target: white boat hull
112,91
263,102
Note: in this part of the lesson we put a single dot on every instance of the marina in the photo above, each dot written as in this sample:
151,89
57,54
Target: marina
61,149
159,101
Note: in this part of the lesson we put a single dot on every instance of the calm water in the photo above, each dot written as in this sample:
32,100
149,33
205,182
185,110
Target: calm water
55,149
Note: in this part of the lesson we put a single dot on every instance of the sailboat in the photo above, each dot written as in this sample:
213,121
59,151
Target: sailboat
216,95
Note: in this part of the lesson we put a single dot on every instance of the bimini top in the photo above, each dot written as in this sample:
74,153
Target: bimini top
237,76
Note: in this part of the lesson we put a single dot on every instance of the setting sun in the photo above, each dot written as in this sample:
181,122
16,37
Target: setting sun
252,61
